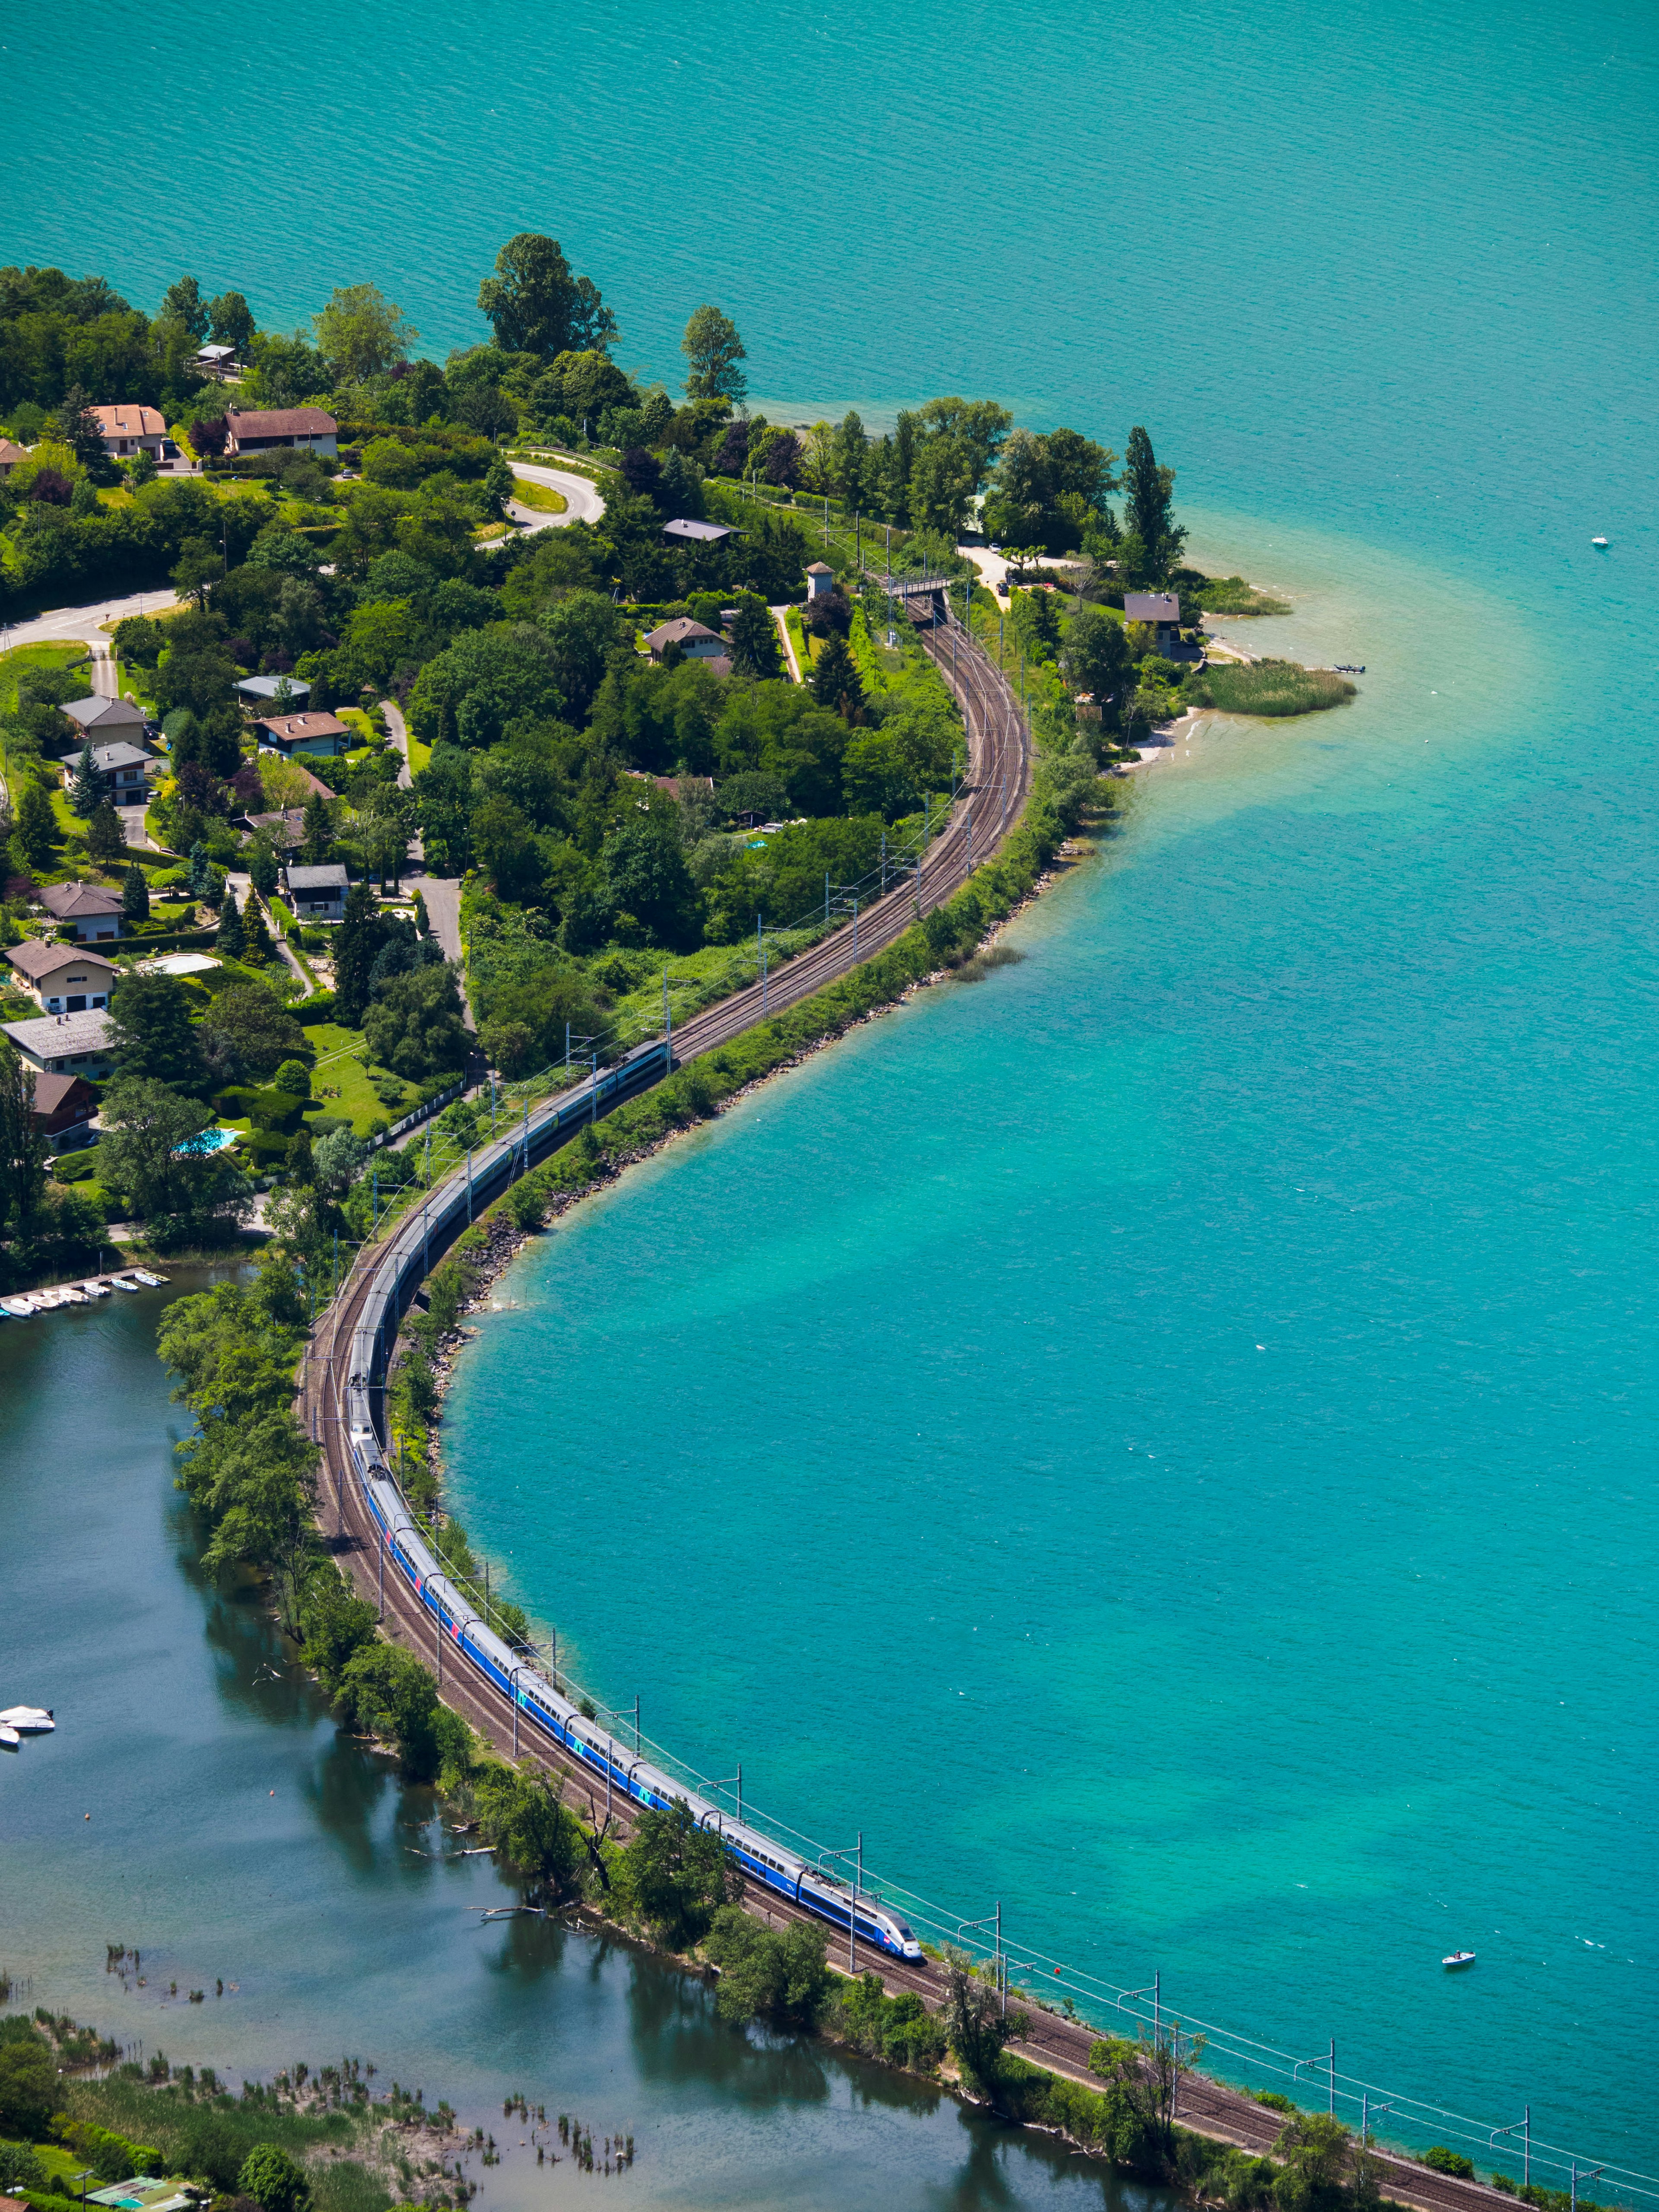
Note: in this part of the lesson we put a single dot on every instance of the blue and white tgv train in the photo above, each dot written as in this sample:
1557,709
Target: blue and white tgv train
537,1699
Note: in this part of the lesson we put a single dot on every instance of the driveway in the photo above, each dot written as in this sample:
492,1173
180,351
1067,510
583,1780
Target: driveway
399,730
442,895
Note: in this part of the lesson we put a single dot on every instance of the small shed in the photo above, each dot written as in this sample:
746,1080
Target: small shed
684,532
62,1111
820,580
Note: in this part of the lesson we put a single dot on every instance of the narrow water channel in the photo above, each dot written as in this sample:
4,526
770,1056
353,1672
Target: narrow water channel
236,1833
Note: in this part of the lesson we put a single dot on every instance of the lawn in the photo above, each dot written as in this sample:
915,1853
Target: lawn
338,1069
542,497
23,657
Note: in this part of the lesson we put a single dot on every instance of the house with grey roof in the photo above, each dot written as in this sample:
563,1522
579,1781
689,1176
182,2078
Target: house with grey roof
65,1044
260,430
261,691
107,719
1161,609
92,912
123,772
695,640
684,532
317,894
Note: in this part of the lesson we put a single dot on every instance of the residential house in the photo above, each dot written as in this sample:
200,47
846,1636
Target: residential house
10,455
65,978
324,735
92,912
62,1110
65,1044
317,894
129,429
106,719
683,531
695,639
1161,609
122,771
820,580
286,829
217,363
258,692
257,430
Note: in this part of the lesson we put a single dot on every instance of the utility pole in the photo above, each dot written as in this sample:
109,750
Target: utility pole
760,957
667,1026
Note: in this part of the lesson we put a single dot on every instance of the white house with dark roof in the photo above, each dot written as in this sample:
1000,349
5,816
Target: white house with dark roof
65,979
129,429
92,912
261,430
122,769
65,1044
695,640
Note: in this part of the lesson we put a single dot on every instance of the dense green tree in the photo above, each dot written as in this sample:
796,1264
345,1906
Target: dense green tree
360,333
230,321
974,428
1149,509
200,564
135,894
754,640
835,682
273,2181
521,1815
184,303
646,878
36,831
470,693
338,1623
714,350
849,461
415,1025
256,948
392,1695
317,831
230,939
106,837
138,639
580,629
28,2088
24,1150
356,942
1096,659
152,1035
678,1875
262,865
77,428
247,1033
536,305
941,487
781,1975
86,788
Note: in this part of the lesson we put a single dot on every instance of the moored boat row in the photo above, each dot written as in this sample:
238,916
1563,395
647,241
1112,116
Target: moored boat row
23,1305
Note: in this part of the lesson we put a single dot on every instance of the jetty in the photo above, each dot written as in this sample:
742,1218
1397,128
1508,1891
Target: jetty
86,1291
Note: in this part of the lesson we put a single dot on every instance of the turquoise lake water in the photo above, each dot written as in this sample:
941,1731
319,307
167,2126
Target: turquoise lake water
1163,1436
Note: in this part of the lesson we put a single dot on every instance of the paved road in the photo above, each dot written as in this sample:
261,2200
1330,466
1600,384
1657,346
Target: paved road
586,504
399,729
780,616
65,623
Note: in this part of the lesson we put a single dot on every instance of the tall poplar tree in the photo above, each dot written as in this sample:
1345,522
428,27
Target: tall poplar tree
1149,506
355,946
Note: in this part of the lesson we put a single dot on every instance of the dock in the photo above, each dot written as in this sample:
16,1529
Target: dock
55,1298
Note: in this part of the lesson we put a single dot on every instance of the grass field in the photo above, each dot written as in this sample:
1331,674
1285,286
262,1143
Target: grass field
338,1068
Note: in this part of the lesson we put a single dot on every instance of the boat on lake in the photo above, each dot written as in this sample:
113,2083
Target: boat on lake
1459,1958
150,1282
29,1720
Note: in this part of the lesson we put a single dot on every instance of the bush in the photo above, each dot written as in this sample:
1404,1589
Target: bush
274,2182
28,2086
1269,688
293,1077
1444,2160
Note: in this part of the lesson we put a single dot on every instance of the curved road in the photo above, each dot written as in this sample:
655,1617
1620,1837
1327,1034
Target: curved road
585,503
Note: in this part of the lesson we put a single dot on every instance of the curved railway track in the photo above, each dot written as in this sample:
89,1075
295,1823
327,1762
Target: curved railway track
988,806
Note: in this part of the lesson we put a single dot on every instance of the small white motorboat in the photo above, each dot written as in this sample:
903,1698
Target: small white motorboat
96,1290
19,1309
69,1296
1598,541
123,1283
150,1282
29,1720
1459,1958
10,1739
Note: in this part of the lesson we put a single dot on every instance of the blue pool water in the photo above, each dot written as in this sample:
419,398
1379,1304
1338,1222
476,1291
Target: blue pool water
907,1436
